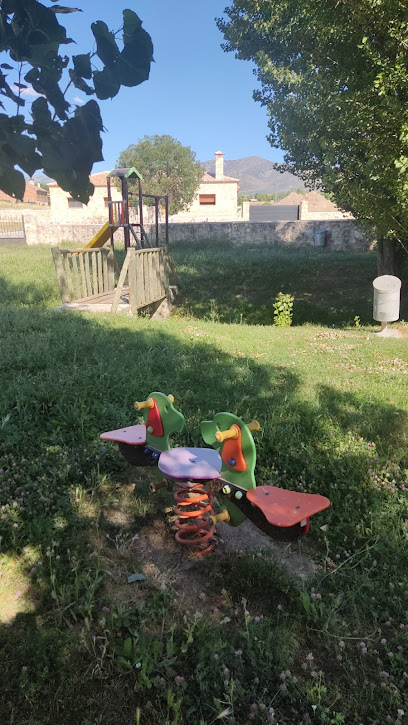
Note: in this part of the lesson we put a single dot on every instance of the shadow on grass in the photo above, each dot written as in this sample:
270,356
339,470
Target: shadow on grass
227,283
66,379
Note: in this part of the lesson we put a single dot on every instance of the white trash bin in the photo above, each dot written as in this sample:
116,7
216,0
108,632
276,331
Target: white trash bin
387,291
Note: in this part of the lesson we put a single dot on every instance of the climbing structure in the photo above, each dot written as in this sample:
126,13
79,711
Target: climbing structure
134,232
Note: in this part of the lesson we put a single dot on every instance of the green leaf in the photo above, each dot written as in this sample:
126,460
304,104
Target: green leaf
82,65
12,182
106,83
79,83
127,647
137,54
106,47
62,9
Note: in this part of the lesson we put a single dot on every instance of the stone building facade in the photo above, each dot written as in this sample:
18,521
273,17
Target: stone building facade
64,208
216,199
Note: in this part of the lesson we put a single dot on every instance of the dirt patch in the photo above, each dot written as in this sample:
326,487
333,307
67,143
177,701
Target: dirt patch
247,539
170,567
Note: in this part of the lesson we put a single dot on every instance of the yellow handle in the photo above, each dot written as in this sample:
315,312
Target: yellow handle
171,398
223,435
222,516
254,425
144,404
159,484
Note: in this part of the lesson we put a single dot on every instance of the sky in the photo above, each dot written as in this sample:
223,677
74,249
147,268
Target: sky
196,92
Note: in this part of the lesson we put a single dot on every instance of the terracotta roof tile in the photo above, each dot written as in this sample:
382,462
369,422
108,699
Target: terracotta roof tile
95,179
317,202
210,179
291,199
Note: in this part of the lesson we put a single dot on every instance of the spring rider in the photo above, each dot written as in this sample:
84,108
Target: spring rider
226,470
282,514
142,445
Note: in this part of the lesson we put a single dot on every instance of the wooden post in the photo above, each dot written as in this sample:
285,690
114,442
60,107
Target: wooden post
94,273
84,290
142,234
76,275
68,279
167,222
121,282
132,279
87,274
156,218
100,272
139,279
62,284
110,212
111,270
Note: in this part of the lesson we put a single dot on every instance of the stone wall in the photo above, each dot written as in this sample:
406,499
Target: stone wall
340,234
42,230
306,215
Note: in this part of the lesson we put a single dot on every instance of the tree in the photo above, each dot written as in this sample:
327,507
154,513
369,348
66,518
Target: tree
334,79
167,167
62,140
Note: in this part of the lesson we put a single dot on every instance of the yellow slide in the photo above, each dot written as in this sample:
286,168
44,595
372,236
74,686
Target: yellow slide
101,237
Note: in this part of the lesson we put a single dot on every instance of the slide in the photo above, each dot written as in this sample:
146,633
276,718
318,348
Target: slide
101,237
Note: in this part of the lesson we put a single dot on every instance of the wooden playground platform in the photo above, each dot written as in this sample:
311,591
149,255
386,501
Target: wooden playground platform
89,280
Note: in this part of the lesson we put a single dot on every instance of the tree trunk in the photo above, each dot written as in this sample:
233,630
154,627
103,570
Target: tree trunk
389,257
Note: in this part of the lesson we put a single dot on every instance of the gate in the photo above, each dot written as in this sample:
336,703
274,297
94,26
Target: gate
273,213
11,228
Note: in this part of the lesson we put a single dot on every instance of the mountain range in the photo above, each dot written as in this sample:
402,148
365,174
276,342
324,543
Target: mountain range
257,176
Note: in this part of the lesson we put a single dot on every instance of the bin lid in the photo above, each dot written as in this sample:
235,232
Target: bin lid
387,283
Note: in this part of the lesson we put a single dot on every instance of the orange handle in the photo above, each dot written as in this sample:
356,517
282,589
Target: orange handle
144,404
223,435
171,398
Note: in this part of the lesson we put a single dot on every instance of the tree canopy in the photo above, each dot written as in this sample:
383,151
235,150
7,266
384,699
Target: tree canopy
167,167
334,79
63,140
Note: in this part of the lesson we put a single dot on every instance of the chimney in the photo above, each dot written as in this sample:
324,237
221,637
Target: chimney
219,165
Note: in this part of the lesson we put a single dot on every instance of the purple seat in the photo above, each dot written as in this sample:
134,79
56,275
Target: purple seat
191,464
133,435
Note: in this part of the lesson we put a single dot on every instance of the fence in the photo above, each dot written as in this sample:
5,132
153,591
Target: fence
273,213
12,228
88,276
147,271
84,274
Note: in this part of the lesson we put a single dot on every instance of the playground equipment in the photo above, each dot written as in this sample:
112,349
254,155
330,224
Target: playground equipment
225,470
142,445
86,277
119,217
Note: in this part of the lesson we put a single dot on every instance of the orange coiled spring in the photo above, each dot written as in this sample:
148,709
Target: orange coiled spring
194,508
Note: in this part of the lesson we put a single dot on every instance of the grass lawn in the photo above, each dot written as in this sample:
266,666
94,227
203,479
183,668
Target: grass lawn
232,638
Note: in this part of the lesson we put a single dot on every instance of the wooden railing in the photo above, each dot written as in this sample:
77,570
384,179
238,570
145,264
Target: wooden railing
84,273
88,275
147,271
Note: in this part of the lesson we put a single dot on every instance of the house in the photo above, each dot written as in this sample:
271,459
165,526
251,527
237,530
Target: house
291,199
65,208
216,198
33,194
314,206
